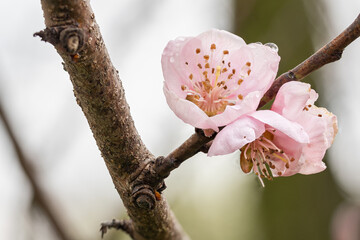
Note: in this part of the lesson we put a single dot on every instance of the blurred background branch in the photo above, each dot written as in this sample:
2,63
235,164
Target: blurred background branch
39,196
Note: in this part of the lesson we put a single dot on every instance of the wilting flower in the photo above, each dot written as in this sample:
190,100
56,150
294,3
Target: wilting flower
212,79
290,138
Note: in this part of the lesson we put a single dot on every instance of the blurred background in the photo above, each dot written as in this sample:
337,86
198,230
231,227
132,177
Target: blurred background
211,197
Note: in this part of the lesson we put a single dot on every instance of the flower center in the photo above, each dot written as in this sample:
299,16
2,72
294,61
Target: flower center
216,83
264,157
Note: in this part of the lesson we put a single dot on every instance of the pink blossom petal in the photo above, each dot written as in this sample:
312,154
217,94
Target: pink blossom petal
264,63
222,39
173,66
292,98
188,111
278,122
236,135
322,128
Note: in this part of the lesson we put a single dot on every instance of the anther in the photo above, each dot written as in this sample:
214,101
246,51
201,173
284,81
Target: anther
206,57
226,52
213,46
191,76
248,64
207,65
199,65
197,51
240,97
240,81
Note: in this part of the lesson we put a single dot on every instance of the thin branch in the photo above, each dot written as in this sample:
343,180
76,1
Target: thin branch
331,52
40,197
125,225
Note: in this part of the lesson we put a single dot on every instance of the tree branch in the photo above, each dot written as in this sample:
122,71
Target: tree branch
331,52
71,28
124,225
39,196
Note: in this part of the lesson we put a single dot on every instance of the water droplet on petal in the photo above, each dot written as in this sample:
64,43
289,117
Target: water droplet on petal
273,46
172,59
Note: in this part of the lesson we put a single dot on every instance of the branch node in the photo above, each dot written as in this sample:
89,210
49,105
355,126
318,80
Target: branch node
72,39
144,197
291,75
125,225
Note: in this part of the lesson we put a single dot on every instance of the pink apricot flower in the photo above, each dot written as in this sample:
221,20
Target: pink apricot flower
290,138
212,79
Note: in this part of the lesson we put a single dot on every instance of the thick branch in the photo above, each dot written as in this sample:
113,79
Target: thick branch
72,29
39,196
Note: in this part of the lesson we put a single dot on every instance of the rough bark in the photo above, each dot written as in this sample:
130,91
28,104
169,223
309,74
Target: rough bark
72,29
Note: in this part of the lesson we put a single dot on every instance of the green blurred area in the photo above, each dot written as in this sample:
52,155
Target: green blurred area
297,207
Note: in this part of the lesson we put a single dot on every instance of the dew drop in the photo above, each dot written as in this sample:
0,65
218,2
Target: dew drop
273,46
172,59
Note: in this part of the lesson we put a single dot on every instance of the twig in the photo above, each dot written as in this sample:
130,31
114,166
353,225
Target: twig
26,167
125,225
331,52
186,150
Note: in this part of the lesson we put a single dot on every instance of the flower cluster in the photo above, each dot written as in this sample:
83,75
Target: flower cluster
217,80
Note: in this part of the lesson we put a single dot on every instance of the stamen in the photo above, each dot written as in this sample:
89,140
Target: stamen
197,50
213,46
281,158
217,74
